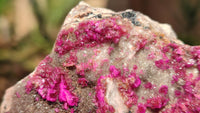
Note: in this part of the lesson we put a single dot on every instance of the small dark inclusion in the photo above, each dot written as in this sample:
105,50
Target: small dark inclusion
98,16
131,15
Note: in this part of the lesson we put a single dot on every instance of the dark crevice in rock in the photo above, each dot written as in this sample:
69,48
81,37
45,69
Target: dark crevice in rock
84,15
71,68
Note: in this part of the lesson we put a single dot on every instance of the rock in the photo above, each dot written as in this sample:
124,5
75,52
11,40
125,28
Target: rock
105,61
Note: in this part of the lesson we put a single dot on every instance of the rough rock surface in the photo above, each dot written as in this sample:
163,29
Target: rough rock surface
105,61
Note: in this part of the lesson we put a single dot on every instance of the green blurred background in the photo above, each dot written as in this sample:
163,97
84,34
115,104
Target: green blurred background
28,28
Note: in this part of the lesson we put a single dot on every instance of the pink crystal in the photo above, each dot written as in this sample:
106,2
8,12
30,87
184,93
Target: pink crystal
83,82
114,71
162,64
156,102
163,89
141,108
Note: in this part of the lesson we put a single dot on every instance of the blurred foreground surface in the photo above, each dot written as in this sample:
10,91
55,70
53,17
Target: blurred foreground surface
28,29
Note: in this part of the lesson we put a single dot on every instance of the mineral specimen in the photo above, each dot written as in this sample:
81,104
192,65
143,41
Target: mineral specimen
106,62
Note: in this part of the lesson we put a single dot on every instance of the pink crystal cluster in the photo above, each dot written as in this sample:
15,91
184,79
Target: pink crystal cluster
89,34
126,86
52,83
188,100
100,100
